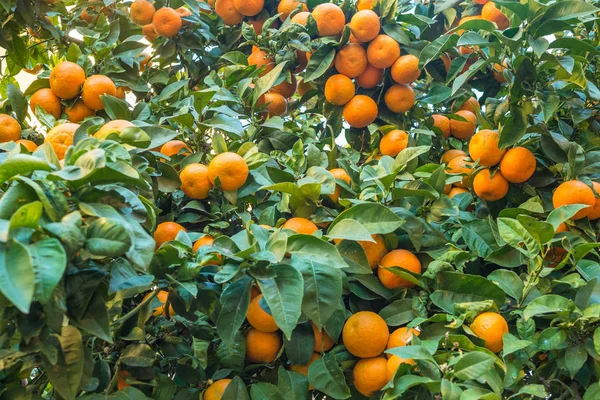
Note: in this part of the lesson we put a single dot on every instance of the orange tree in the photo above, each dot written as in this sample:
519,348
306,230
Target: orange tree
261,199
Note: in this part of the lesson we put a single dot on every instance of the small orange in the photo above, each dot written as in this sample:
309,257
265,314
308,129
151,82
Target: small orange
338,173
471,104
330,19
121,380
304,87
183,13
339,89
563,227
365,334
369,375
399,98
442,123
405,69
300,225
491,327
574,192
393,142
490,188
401,337
260,59
303,369
518,165
491,13
10,129
162,297
370,78
365,25
360,111
259,318
94,88
393,363
48,101
460,165
206,240
78,111
66,79
398,258
194,181
450,154
249,8
230,168
497,70
323,342
484,148
456,190
216,390
374,251
141,12
121,92
285,88
167,22
166,232
285,8
28,144
174,147
383,51
149,32
301,18
595,212
276,104
351,60
463,129
262,347
146,60
86,16
364,5
61,137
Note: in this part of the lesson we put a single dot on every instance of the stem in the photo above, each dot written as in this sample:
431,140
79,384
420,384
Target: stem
135,310
533,276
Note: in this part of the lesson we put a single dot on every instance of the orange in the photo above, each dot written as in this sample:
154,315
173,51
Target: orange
595,212
498,72
206,240
369,375
48,101
442,123
466,19
167,22
194,181
146,60
262,347
365,25
339,89
174,147
463,129
490,188
285,88
374,250
405,69
450,154
61,137
166,232
285,8
323,342
78,111
10,129
398,258
303,369
261,58
460,165
121,382
360,111
94,88
249,8
563,227
162,297
393,142
365,334
338,173
301,18
456,190
490,326
259,318
230,168
383,51
141,12
484,148
370,78
574,192
28,144
351,60
117,126
149,32
399,98
480,2
300,225
364,5
491,13
121,92
216,390
393,363
86,16
330,19
471,104
518,165
276,104
257,24
401,337
66,79
304,87
183,13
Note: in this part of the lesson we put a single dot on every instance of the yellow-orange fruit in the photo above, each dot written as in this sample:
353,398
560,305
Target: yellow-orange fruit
488,187
405,69
360,111
66,79
399,98
393,142
518,165
574,192
398,258
262,347
383,51
370,375
463,129
491,327
484,148
365,334
330,19
442,123
460,165
339,89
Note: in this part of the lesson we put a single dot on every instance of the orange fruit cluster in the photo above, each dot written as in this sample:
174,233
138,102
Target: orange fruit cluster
165,22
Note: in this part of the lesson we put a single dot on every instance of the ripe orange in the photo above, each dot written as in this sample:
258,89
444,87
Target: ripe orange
491,13
300,225
498,72
471,104
466,19
484,147
149,32
304,87
595,212
94,87
574,192
330,19
370,78
261,59
66,79
216,390
490,326
375,251
518,165
351,60
393,142
174,147
323,342
194,181
285,8
285,88
360,111
405,69
398,258
450,154
383,51
276,104
442,123
86,16
301,18
365,334
249,8
259,318
262,347
456,190
167,22
117,126
10,129
401,337
183,13
463,129
563,227
460,165
166,232
338,173
490,188
28,144
61,137
230,168
399,98
162,297
141,12
393,363
364,5
365,25
121,382
146,60
206,240
78,111
369,375
339,89
303,369
47,100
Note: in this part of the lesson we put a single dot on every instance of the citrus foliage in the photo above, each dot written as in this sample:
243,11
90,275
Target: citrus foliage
185,220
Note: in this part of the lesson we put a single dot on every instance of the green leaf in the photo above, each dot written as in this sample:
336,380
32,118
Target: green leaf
17,278
234,305
319,63
21,164
566,10
293,385
508,281
326,376
575,357
514,128
65,375
542,232
552,338
227,124
398,313
514,234
349,229
455,288
107,238
124,277
27,216
299,348
266,82
403,383
377,218
473,365
116,108
434,49
49,262
450,390
563,213
265,391
17,101
592,392
512,344
138,355
312,246
414,352
548,304
535,390
236,390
